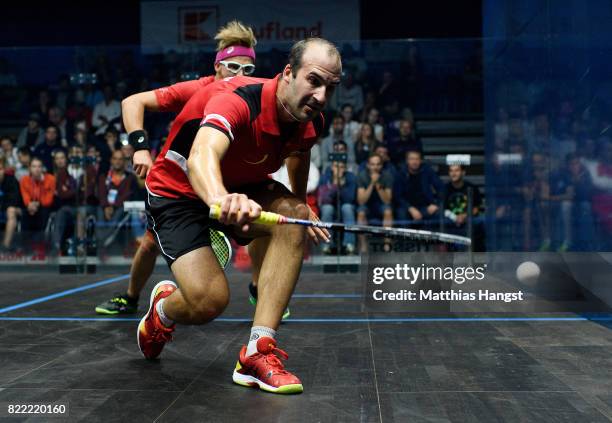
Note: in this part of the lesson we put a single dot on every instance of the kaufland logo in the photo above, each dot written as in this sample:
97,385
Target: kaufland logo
278,31
197,24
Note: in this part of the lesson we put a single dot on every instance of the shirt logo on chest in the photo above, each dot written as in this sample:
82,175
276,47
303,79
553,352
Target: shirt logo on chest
265,157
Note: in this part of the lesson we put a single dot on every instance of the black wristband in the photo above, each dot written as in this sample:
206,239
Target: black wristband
138,140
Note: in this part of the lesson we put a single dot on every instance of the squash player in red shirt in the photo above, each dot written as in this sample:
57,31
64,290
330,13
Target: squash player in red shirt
235,56
222,146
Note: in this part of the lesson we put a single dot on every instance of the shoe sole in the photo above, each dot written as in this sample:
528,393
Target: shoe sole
112,313
252,382
105,311
152,297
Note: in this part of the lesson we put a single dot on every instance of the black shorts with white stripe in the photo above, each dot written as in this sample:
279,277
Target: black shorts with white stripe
182,225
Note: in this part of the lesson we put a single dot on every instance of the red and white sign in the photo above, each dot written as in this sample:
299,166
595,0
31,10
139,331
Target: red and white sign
182,25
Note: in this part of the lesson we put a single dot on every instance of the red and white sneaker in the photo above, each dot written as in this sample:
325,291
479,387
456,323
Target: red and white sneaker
266,370
152,334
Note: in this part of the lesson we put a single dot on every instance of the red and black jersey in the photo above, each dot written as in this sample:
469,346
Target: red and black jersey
174,97
244,109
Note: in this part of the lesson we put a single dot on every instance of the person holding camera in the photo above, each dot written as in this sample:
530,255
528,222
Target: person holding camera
337,191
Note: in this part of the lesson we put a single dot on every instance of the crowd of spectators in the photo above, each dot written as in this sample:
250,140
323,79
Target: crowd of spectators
550,184
71,160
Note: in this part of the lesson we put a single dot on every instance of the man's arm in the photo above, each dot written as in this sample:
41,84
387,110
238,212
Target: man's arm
204,164
298,165
133,108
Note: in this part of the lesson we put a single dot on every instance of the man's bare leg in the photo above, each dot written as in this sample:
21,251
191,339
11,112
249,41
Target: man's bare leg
203,292
142,265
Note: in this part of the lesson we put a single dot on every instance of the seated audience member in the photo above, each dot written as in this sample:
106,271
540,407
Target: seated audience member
37,191
32,134
348,93
10,203
107,113
571,192
417,191
51,144
456,206
24,156
351,126
114,189
407,140
374,196
338,187
600,171
383,151
364,143
373,118
9,152
65,200
537,222
336,133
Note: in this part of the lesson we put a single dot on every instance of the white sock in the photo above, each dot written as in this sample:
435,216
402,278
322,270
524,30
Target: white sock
166,321
256,333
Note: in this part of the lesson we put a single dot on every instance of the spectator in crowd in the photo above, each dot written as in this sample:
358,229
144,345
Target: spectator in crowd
456,202
42,106
32,134
338,187
336,133
351,126
407,140
373,118
417,191
501,128
81,138
37,191
537,200
9,152
75,164
107,113
57,118
108,147
62,92
374,196
340,147
10,204
571,192
382,150
364,143
51,144
78,110
348,92
542,139
601,176
114,189
65,199
24,156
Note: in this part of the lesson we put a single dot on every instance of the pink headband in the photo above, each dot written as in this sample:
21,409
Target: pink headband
233,51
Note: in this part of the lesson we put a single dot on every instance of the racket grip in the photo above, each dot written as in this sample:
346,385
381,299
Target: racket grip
265,218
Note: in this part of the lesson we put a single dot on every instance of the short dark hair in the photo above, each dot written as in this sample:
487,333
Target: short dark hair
297,52
24,150
340,142
414,150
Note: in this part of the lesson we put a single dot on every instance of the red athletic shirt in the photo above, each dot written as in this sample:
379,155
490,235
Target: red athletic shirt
244,109
174,97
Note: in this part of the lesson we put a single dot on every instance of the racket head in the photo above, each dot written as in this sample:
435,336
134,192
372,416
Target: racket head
221,247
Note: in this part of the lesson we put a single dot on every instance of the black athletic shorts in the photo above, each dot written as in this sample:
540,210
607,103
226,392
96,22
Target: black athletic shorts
182,225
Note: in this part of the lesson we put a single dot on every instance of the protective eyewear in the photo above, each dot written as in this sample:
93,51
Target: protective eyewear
235,67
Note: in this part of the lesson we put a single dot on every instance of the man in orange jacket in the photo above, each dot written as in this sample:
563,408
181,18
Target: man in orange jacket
37,190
